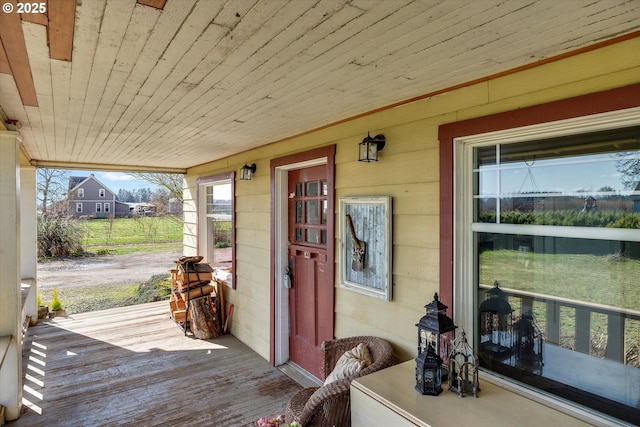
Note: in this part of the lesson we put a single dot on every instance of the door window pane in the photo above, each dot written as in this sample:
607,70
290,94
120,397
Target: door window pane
325,207
312,189
312,212
299,219
312,235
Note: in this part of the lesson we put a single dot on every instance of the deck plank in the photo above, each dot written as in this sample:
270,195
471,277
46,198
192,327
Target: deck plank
134,366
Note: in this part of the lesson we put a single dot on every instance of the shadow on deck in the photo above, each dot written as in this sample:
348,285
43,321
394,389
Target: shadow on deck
134,366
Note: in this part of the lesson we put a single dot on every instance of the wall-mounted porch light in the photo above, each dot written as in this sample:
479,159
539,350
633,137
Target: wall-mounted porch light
369,147
247,171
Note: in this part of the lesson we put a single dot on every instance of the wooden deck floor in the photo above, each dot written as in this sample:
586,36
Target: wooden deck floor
134,366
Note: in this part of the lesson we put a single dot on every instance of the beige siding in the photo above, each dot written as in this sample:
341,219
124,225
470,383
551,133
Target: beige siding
409,172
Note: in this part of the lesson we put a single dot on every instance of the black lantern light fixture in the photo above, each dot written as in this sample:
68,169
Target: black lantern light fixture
369,148
429,372
496,322
247,171
463,368
437,330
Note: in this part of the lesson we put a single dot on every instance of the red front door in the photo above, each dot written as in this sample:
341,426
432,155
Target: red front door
311,293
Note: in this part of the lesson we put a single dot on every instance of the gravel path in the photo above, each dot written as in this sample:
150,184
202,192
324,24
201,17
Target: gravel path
104,270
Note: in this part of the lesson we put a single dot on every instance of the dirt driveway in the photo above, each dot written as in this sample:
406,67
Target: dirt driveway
105,270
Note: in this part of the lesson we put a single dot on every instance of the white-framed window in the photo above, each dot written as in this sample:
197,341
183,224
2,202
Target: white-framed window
216,227
80,192
98,207
547,258
79,207
107,207
101,192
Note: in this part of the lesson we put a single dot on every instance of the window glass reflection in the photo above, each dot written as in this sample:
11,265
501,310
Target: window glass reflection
565,303
566,185
313,236
312,212
312,189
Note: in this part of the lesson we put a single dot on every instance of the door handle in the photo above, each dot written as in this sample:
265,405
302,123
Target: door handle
288,275
287,278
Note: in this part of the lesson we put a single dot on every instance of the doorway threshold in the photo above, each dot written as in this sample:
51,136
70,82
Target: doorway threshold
299,375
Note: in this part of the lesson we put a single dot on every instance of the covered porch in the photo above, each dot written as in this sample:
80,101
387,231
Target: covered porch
134,366
201,88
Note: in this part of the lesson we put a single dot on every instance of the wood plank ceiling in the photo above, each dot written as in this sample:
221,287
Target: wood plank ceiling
169,84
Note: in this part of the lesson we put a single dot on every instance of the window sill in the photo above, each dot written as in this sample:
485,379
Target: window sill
388,397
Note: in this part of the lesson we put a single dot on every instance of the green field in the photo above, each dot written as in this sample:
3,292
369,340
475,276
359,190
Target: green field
91,298
590,278
607,280
125,235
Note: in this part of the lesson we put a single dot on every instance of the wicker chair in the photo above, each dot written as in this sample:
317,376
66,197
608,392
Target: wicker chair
330,405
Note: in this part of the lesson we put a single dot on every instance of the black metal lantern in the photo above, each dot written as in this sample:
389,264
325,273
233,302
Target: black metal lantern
429,372
369,147
437,330
246,171
528,345
496,321
463,368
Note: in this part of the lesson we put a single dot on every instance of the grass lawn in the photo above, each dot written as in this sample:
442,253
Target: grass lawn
605,280
91,298
589,278
124,235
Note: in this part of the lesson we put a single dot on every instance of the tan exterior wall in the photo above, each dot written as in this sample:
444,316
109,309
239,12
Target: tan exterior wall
409,172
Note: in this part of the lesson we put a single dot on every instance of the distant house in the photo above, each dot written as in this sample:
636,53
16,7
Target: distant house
142,208
89,197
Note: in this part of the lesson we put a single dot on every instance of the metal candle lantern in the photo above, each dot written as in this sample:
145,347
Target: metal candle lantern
437,330
529,340
429,372
463,368
496,320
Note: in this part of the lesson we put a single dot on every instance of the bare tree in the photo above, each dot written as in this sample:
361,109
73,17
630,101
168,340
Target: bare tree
52,186
629,168
170,181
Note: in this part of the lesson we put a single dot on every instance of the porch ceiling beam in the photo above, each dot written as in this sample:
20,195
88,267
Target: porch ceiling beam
158,4
103,167
36,18
62,17
16,52
4,62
